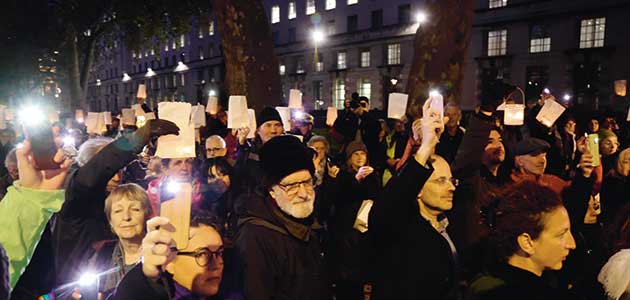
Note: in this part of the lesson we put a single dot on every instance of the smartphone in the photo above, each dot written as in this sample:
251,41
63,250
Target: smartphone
437,103
175,201
593,147
43,146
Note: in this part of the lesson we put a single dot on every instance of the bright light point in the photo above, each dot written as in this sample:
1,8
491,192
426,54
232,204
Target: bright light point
567,97
68,141
181,67
87,279
546,91
150,73
98,82
172,187
212,93
126,77
421,17
80,120
394,81
31,116
434,93
318,36
19,146
299,115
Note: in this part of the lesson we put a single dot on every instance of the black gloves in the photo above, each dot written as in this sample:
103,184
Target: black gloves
153,128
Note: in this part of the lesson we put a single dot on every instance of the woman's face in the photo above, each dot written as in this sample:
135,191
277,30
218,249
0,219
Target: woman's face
609,146
358,159
320,148
215,174
127,218
623,165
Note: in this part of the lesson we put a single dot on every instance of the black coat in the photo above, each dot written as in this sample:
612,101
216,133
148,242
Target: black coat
415,261
348,124
136,286
278,257
614,195
82,221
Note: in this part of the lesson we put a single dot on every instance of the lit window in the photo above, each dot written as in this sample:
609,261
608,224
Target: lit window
497,3
351,2
539,40
182,80
200,34
174,46
283,70
182,41
592,33
365,88
310,7
497,42
331,4
292,10
393,54
365,59
339,94
140,54
299,68
341,60
319,66
152,51
201,53
275,14
211,28
133,54
166,47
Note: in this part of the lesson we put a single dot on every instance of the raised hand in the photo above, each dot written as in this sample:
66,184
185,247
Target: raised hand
30,177
157,247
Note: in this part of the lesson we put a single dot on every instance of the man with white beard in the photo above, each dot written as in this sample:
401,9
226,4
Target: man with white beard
278,251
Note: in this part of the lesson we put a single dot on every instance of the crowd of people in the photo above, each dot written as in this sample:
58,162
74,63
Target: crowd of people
421,207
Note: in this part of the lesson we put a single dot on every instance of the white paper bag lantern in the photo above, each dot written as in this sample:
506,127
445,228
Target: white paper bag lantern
128,116
78,115
198,116
108,117
621,87
285,115
149,116
295,99
550,112
91,122
177,146
142,91
331,116
252,123
514,114
137,108
397,105
237,115
213,105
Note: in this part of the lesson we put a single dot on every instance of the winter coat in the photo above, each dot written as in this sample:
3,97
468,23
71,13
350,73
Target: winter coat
25,212
448,145
278,257
82,221
348,124
613,196
508,282
247,175
415,260
5,288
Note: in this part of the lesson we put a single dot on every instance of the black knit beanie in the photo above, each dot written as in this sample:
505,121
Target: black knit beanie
283,155
268,114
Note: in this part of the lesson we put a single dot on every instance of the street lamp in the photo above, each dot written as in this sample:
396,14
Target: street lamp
394,81
421,17
150,73
318,37
126,77
181,67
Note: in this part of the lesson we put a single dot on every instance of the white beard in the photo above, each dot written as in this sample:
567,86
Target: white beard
299,210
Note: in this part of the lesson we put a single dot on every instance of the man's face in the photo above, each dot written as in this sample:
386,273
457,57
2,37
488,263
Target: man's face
495,151
437,193
127,218
295,194
214,148
570,126
115,123
358,159
553,244
399,126
593,125
305,128
609,146
180,169
5,137
454,115
532,164
187,271
269,130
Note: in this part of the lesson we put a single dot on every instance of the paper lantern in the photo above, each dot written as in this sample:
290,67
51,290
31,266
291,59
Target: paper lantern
108,117
295,99
621,87
142,91
331,116
285,115
137,108
514,114
550,112
177,146
237,115
128,116
252,123
213,105
78,115
397,105
198,116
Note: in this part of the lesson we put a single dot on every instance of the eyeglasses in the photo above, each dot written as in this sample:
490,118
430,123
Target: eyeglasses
203,256
444,180
294,188
214,149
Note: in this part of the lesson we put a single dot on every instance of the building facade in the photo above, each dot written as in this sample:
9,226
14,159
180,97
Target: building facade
577,48
329,49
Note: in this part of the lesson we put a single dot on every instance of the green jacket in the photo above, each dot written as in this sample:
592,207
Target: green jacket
24,214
